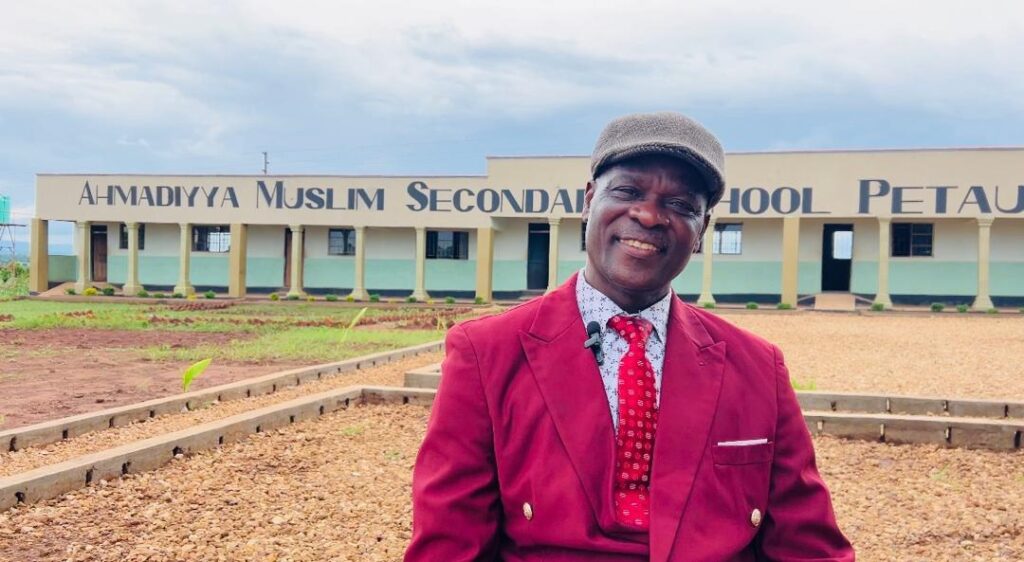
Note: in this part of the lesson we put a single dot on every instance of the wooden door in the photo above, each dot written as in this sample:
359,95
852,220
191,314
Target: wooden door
98,251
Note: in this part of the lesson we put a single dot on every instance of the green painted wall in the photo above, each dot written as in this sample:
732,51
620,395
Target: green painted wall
1006,279
390,274
933,278
808,278
864,277
450,275
689,281
264,272
61,268
509,275
326,273
567,268
209,269
746,277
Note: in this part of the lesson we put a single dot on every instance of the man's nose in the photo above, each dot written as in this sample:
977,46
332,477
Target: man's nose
649,214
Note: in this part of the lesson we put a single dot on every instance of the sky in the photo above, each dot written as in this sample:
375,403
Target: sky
434,87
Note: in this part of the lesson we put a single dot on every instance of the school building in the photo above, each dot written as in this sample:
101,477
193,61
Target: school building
904,226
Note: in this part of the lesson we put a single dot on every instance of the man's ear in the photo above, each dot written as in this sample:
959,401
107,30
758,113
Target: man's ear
591,188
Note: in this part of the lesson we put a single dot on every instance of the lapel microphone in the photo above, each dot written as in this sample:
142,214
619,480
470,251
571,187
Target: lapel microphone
594,341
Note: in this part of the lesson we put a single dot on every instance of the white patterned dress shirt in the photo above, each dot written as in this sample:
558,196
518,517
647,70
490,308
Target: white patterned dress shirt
595,306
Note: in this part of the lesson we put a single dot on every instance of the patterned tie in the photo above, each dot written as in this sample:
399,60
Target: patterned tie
638,420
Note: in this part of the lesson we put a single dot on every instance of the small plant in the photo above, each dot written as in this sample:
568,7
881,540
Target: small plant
142,294
479,300
752,305
210,295
108,291
191,296
938,307
70,291
430,301
410,298
192,372
961,308
352,324
877,307
449,300
350,298
90,292
374,298
784,306
275,297
332,298
992,311
292,297
159,295
177,296
803,386
310,298
708,305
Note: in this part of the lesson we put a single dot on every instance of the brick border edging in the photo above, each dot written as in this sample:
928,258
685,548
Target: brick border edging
44,433
148,454
935,430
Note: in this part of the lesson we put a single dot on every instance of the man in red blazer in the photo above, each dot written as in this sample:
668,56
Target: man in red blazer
608,420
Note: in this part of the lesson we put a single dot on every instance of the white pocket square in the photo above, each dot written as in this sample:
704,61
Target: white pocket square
743,443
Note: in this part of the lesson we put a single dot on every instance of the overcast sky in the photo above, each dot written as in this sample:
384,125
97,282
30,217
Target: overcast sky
434,87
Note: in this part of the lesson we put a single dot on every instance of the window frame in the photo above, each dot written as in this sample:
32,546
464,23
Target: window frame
203,231
914,248
348,242
716,238
122,242
459,241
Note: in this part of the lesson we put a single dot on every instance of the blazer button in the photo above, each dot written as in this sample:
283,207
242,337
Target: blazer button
527,511
755,517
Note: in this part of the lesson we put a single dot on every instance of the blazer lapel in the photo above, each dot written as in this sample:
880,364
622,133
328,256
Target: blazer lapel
691,382
570,383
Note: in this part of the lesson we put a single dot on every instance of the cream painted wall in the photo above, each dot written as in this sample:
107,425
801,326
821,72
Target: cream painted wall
762,241
266,241
1008,242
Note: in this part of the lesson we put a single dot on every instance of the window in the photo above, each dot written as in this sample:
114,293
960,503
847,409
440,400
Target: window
124,237
447,244
215,238
727,239
341,242
912,239
583,237
842,245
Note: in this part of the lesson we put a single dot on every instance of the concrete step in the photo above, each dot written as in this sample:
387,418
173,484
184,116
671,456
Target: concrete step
841,302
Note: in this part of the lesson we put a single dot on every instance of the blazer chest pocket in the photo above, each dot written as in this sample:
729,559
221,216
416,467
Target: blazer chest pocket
746,454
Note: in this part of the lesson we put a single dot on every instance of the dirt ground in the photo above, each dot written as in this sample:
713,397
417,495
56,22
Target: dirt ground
302,494
66,371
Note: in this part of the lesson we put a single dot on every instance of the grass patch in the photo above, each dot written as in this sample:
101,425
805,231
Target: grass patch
299,344
803,385
13,281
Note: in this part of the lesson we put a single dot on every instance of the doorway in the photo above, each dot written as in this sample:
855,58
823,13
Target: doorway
98,252
836,257
537,256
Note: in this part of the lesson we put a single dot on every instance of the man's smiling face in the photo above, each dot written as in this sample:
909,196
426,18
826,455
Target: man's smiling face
645,216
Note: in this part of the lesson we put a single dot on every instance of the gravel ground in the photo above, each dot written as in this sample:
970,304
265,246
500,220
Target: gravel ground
952,355
338,489
391,374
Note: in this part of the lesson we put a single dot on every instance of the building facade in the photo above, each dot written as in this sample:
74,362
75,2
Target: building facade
889,225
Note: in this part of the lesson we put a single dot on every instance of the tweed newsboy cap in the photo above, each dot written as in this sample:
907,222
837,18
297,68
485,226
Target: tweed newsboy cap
668,133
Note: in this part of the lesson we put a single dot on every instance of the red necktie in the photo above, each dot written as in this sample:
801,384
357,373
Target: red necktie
638,420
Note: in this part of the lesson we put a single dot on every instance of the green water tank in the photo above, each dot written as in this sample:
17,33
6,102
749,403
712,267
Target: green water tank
5,209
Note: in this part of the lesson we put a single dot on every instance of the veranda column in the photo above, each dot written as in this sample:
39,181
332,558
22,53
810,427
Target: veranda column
553,254
184,286
884,239
485,263
39,258
296,289
237,260
82,235
983,301
420,292
131,284
707,251
359,287
790,259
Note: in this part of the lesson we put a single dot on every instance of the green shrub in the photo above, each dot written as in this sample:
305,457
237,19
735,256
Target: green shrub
478,300
144,294
449,300
332,298
410,298
784,306
877,306
177,296
374,298
108,291
992,311
159,295
70,291
310,298
708,304
90,292
752,306
938,307
275,297
292,297
961,308
210,295
350,298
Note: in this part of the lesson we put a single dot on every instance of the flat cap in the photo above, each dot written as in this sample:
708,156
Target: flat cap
667,133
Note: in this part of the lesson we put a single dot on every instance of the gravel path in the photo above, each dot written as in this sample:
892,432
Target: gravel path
391,374
952,355
338,489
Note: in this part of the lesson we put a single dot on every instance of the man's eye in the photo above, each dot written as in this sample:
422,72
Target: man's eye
682,207
624,191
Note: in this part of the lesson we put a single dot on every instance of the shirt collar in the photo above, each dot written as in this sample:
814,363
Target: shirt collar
595,306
